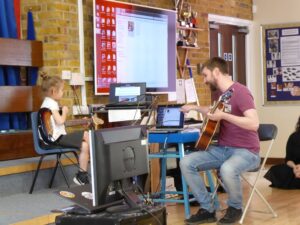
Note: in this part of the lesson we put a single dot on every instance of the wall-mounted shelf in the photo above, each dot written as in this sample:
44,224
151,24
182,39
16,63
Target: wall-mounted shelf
15,52
187,41
188,47
189,28
18,144
184,34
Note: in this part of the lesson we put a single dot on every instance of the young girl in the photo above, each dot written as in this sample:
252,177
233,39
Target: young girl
52,87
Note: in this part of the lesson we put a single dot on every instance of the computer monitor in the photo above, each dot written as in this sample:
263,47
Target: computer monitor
127,93
116,154
134,43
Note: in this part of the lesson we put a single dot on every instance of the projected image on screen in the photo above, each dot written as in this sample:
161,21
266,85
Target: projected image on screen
134,44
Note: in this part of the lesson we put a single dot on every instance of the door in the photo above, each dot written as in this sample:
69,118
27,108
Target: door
228,42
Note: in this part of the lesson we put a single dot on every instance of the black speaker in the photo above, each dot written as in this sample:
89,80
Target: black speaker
148,215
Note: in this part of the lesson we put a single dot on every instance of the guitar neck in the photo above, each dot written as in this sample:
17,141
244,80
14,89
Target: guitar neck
215,106
76,122
209,126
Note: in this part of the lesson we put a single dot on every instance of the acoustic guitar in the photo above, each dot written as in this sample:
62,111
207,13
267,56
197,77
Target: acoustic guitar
45,127
210,126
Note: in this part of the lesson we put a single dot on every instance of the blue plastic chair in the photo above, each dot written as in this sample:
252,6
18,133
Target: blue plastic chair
45,151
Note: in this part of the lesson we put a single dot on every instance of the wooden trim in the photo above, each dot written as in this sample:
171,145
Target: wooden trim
20,98
275,161
16,52
46,219
28,167
38,98
16,145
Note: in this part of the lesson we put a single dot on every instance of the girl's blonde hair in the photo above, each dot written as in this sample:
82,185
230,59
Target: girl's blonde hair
50,82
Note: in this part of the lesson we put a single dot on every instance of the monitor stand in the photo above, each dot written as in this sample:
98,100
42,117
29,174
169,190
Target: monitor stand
131,202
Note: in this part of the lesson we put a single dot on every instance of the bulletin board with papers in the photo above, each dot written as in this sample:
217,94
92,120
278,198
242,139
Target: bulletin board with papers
281,63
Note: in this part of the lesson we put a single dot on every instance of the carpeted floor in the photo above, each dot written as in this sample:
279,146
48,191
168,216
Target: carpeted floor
26,206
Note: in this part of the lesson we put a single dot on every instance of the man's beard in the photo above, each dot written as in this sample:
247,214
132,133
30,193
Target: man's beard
212,87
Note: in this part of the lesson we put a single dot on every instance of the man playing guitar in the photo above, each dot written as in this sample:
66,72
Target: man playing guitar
237,149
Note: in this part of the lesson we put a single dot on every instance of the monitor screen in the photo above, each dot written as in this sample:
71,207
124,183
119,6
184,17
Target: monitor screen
127,93
169,116
116,154
134,43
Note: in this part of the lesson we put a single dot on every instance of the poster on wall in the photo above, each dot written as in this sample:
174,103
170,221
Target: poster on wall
281,63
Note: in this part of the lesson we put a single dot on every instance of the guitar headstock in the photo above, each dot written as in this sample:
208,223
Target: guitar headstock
226,96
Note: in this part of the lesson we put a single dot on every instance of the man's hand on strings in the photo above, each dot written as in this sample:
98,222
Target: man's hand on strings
216,116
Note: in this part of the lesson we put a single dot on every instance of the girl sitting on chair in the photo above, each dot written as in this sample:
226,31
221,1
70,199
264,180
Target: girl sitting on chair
52,87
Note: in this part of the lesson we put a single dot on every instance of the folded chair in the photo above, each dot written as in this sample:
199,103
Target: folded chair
46,151
267,133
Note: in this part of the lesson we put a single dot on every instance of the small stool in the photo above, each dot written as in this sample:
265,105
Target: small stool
164,154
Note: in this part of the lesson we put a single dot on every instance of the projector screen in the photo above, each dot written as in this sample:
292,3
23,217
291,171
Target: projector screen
134,43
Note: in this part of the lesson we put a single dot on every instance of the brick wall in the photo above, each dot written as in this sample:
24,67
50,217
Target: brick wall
56,24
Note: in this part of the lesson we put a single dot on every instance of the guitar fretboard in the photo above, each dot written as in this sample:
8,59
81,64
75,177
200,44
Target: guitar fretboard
77,122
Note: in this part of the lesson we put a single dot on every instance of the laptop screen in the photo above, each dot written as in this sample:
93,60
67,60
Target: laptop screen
169,116
127,93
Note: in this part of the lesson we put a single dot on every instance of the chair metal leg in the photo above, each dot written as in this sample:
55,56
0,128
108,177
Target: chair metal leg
36,174
63,171
266,202
254,189
54,171
76,156
214,197
246,207
213,189
215,192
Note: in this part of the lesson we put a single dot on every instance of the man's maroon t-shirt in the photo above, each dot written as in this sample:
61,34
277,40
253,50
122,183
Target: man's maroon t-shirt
232,135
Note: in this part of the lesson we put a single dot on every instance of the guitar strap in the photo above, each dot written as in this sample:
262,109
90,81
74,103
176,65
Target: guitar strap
46,137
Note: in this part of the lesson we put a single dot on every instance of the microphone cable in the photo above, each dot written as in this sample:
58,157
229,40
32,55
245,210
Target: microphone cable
153,103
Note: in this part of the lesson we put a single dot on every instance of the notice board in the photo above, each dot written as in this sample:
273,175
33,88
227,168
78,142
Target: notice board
281,63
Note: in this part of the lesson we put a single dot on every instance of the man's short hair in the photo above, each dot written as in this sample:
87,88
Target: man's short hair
216,62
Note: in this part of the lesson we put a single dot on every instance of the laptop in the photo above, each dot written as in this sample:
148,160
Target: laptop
127,96
169,118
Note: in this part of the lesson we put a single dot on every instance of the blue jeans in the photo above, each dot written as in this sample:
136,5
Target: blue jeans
230,161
